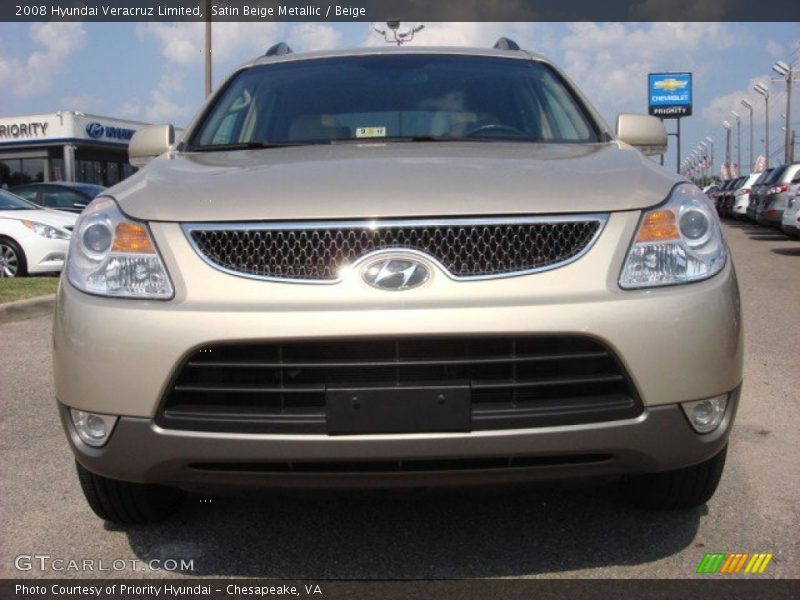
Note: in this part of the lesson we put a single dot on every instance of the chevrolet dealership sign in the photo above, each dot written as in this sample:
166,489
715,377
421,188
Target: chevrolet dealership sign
669,95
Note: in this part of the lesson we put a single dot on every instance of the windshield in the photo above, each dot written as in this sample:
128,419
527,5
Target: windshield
407,97
9,201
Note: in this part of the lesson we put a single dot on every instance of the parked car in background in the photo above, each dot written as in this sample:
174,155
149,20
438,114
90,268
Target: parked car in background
741,198
755,192
32,239
790,222
719,195
59,195
776,197
709,190
730,197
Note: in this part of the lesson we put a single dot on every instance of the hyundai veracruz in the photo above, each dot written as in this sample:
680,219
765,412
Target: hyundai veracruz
397,267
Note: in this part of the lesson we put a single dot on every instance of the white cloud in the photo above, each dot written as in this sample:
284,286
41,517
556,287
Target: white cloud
610,60
774,48
720,107
162,107
531,36
314,36
56,42
130,110
183,43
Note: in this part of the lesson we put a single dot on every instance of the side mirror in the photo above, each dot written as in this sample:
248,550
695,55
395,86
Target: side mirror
643,132
149,142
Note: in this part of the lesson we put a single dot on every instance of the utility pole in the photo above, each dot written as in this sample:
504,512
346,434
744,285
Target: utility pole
208,48
762,89
727,127
785,71
749,107
736,116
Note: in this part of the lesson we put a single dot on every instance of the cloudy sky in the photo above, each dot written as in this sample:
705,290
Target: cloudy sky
154,71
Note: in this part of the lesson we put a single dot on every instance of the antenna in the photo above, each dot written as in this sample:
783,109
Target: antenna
397,37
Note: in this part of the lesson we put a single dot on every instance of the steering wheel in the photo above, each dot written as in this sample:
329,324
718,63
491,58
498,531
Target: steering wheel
495,127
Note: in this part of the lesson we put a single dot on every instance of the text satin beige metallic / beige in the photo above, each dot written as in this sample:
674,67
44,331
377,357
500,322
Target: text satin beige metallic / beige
478,291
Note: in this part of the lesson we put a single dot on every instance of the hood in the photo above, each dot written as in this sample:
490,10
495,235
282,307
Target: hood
402,179
54,218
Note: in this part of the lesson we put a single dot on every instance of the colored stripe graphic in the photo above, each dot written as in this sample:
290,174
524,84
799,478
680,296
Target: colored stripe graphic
758,563
711,562
721,562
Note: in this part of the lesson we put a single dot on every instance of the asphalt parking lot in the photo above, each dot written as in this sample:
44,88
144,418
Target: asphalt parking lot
565,531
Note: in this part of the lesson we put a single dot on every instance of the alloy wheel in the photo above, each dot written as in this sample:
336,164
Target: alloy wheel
9,261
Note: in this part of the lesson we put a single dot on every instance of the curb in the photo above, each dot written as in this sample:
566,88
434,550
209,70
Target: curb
27,309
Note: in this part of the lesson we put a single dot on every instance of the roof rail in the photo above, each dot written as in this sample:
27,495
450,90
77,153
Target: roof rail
505,43
279,49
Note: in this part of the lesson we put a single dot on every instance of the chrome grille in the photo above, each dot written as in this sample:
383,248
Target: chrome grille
465,248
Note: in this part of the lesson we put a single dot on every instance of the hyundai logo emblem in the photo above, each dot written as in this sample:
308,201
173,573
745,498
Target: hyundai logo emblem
395,274
95,130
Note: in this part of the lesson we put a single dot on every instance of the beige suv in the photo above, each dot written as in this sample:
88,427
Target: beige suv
397,267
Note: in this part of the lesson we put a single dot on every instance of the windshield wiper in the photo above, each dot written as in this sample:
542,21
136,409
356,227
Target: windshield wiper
246,146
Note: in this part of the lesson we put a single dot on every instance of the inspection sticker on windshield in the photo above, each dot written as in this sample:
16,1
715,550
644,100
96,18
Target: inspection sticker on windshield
370,132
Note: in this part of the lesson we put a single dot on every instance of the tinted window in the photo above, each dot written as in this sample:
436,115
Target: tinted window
439,96
776,174
763,177
9,201
29,193
57,197
89,190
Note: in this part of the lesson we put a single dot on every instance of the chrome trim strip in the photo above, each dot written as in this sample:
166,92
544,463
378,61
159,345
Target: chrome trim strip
188,228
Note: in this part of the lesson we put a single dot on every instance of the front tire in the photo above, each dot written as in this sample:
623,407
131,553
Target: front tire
678,489
12,259
127,503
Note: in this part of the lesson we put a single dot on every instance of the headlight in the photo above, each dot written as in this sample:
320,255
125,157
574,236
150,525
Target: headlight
112,255
678,242
47,231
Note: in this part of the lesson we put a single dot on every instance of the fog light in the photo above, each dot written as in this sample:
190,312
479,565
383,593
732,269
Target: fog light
93,429
706,415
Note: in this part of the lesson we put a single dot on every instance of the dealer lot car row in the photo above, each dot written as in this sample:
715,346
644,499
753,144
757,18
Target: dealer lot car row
768,198
362,268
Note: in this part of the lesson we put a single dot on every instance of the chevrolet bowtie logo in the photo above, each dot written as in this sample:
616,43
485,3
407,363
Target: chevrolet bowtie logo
670,85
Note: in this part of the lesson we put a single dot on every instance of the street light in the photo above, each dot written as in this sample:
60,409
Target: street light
398,37
762,89
736,116
785,71
749,107
710,142
727,127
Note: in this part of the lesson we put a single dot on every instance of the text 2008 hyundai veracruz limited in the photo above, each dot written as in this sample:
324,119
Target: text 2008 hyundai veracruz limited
397,267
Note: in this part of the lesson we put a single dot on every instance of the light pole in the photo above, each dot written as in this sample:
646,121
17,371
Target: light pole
760,88
208,48
727,127
785,71
749,107
736,116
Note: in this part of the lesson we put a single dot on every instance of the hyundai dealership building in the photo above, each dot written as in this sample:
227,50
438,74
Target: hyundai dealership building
65,146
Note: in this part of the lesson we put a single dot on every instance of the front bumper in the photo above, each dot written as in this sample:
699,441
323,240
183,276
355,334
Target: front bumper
659,439
678,344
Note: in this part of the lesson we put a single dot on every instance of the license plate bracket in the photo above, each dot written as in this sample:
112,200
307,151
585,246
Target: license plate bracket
408,409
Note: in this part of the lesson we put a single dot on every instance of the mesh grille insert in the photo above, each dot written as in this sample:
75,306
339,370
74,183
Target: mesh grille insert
465,249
